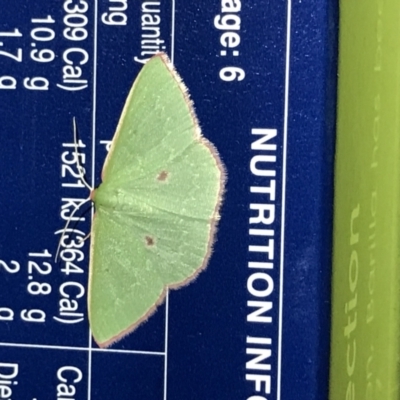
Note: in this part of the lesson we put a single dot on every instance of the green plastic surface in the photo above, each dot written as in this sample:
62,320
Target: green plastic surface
366,269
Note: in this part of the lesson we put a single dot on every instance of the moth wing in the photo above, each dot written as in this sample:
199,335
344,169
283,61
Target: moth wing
156,123
170,182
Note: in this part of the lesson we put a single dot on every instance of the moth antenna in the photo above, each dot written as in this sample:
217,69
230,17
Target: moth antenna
67,224
81,170
85,238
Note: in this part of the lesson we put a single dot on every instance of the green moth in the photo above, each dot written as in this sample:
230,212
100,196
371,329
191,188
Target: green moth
157,207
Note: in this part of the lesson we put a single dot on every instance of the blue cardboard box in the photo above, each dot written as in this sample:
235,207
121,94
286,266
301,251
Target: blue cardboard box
262,75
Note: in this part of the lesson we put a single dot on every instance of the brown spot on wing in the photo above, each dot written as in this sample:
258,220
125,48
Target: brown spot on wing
162,176
150,241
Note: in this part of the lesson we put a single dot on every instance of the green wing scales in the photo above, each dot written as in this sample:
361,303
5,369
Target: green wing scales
157,207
